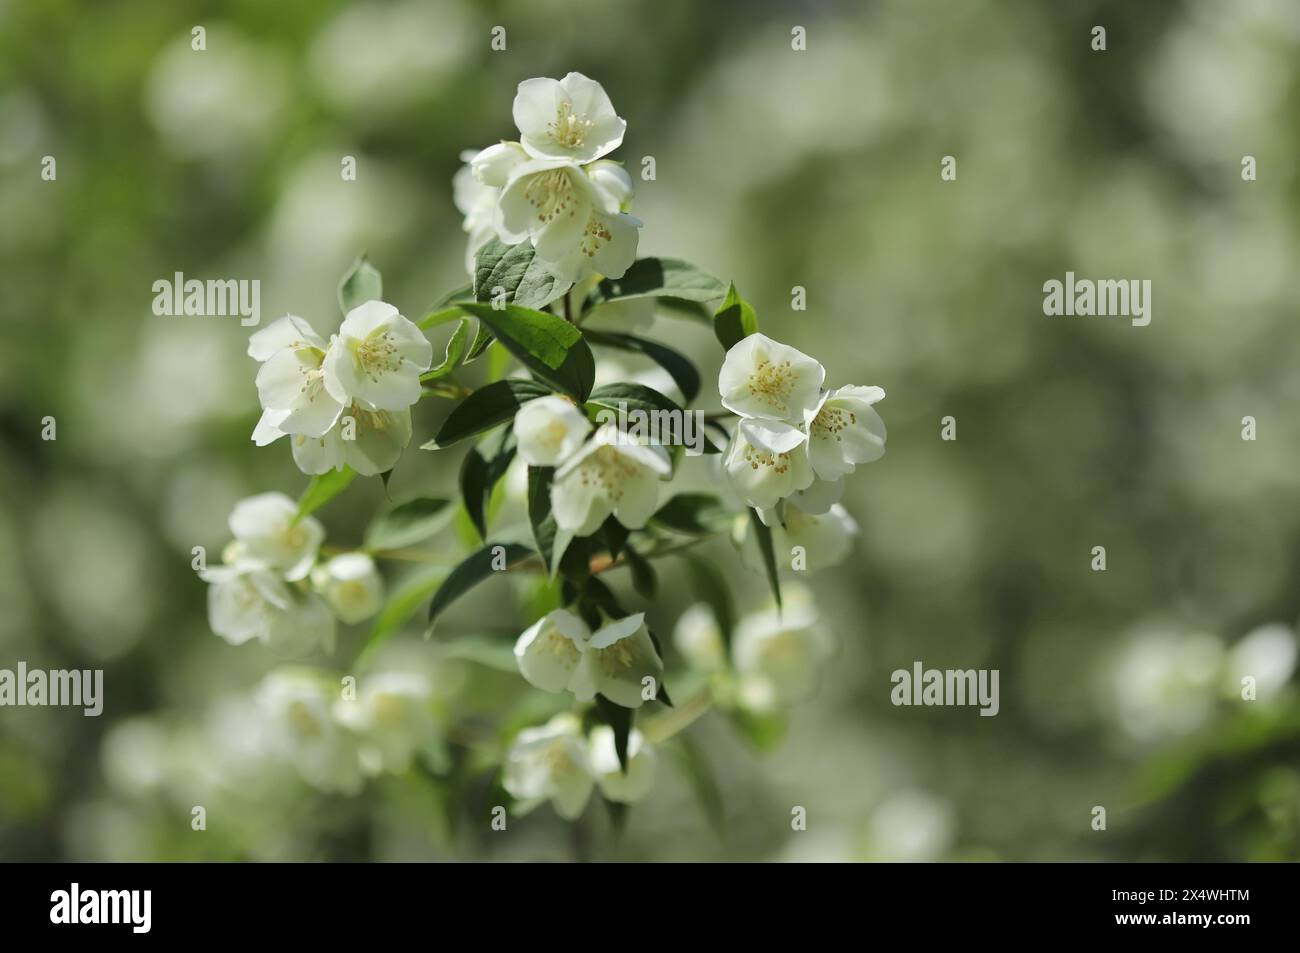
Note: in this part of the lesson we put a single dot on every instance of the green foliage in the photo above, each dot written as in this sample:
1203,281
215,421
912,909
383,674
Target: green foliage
492,558
735,319
323,488
683,372
362,283
514,271
489,406
550,347
408,523
675,283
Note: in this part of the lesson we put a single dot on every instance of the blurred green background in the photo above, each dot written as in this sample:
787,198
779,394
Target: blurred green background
775,168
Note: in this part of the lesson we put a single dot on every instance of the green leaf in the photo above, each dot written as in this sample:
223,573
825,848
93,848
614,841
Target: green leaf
764,537
633,396
362,283
402,603
324,488
709,586
539,512
734,319
550,347
516,271
644,579
683,372
673,281
479,474
620,719
696,514
474,569
456,346
408,523
482,341
695,766
615,534
490,405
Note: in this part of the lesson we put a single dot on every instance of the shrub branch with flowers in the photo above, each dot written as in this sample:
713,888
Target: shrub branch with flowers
552,250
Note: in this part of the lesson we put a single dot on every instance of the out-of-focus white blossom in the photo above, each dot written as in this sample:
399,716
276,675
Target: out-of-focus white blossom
552,763
615,784
351,586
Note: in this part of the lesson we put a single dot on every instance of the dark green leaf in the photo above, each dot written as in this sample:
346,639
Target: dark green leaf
515,271
615,534
490,405
734,319
479,474
408,523
539,511
550,347
764,537
474,569
362,283
683,372
696,514
620,719
456,346
644,580
673,281
324,488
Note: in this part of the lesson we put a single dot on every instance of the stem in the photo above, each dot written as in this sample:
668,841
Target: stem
660,728
568,308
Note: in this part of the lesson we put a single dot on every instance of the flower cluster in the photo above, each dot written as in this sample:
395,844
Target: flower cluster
795,441
345,403
559,653
271,587
336,739
596,474
552,187
555,762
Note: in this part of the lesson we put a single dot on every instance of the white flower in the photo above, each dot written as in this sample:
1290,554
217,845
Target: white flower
351,586
782,651
292,379
478,203
826,539
246,603
367,440
613,180
550,763
290,331
817,499
1266,654
296,708
620,657
570,118
574,223
614,783
377,357
271,535
394,717
699,639
609,474
764,378
550,653
845,430
1164,683
559,653
548,430
767,461
491,167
